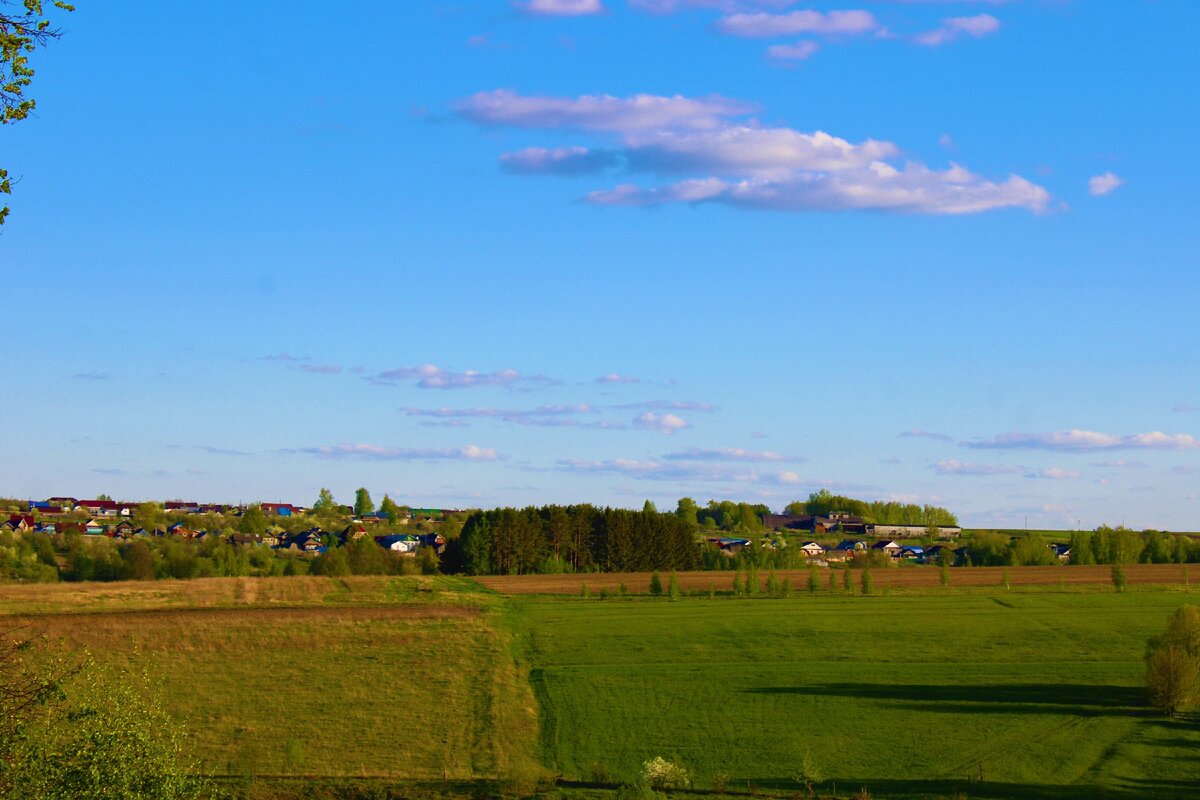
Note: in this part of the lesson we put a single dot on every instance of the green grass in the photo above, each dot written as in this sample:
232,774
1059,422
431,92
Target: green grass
337,688
907,696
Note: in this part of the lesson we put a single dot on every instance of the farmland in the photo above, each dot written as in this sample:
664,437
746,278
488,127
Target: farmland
912,692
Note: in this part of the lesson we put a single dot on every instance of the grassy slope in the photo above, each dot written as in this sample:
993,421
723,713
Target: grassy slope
906,695
397,677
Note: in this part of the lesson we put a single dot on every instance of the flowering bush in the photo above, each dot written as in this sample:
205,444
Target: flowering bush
663,774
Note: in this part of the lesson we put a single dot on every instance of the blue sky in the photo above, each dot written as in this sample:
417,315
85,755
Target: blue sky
482,253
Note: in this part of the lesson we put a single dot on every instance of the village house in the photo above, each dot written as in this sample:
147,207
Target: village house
814,549
889,548
728,545
403,543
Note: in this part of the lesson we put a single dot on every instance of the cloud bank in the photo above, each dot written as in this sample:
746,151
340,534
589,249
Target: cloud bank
707,150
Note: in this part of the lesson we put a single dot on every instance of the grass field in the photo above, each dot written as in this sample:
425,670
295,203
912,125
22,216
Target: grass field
444,685
899,579
397,677
907,696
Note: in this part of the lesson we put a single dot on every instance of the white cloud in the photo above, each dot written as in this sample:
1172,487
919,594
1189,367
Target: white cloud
763,25
726,454
431,376
641,112
916,189
614,377
742,150
1120,464
736,162
799,51
375,452
1100,185
558,160
665,424
952,467
1054,473
560,8
956,27
1082,441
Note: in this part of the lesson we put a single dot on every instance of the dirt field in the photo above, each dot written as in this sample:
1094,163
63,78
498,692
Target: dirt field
899,578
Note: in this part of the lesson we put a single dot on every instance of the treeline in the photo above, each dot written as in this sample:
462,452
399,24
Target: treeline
41,558
881,512
582,538
1105,545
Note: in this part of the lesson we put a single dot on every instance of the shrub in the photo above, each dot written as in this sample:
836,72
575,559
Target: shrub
1171,676
814,583
866,582
1118,577
1173,663
656,587
673,592
659,773
847,586
585,592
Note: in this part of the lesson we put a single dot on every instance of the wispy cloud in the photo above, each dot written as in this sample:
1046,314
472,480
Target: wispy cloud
320,369
91,376
224,451
953,467
955,28
1184,408
642,112
790,53
614,377
109,471
666,424
739,162
727,454
430,376
1083,441
832,23
375,452
917,433
668,405
559,161
1054,474
559,8
547,416
286,357
1120,464
1100,185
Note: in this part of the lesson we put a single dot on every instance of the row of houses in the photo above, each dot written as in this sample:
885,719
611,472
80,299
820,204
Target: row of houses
313,540
108,509
849,524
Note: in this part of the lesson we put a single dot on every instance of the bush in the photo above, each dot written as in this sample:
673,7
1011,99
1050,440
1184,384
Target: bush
659,773
673,591
1173,663
656,587
1118,577
1171,677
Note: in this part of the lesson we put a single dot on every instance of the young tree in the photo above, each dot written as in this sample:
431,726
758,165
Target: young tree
673,590
1118,577
362,502
1173,663
325,502
944,568
687,510
846,583
813,582
390,509
865,581
656,587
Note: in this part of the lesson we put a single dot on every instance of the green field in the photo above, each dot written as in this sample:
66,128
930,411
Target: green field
907,696
300,681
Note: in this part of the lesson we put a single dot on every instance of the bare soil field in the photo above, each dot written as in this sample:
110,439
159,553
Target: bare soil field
885,578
